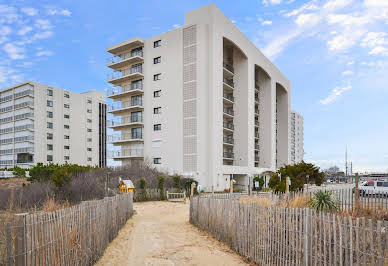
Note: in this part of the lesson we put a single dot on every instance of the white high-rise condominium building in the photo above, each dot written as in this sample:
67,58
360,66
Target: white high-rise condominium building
296,138
200,100
39,123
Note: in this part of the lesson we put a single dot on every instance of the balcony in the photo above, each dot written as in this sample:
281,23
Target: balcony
257,111
257,123
228,83
126,90
228,111
228,70
125,46
257,147
257,135
127,153
127,74
228,97
125,121
125,106
125,137
228,140
228,155
228,125
257,159
125,59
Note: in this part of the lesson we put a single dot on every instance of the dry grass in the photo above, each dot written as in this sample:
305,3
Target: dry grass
51,205
300,201
372,213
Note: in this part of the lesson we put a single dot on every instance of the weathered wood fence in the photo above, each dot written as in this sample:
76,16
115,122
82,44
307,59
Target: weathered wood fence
152,194
73,236
283,236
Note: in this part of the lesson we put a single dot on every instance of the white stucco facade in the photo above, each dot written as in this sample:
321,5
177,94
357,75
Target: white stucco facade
224,107
296,137
40,123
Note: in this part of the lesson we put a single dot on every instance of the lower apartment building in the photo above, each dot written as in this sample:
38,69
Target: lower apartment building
40,123
200,101
296,138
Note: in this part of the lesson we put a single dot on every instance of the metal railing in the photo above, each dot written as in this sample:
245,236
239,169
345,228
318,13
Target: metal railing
123,105
125,88
125,72
128,153
125,120
125,136
257,123
228,140
228,111
229,82
228,154
228,125
228,67
229,96
122,57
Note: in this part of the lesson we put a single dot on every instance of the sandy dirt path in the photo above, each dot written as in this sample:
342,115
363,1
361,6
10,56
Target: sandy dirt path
159,233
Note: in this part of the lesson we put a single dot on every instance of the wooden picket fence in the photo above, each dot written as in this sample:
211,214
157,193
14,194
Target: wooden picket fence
291,236
76,235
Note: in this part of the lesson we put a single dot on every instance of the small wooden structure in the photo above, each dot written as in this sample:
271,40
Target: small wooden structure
126,186
176,196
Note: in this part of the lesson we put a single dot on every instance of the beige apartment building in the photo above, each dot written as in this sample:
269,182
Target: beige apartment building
296,137
201,101
40,123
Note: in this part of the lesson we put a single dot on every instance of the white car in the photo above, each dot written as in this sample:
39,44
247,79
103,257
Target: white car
373,188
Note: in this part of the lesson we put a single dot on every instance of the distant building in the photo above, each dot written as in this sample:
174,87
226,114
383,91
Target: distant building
40,123
200,100
296,137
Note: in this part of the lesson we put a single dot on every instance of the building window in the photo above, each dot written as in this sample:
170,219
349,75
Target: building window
157,110
49,92
157,160
49,114
49,135
66,136
66,158
89,139
49,158
66,95
89,101
157,43
89,149
157,77
66,147
66,116
49,147
89,111
89,120
66,126
89,130
157,127
49,125
66,105
50,103
157,60
157,93
89,159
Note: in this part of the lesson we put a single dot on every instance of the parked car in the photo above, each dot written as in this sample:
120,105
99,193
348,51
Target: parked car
373,188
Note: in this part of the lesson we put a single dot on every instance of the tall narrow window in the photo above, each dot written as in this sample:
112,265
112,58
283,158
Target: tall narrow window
157,93
49,92
66,95
49,125
49,135
157,43
157,77
157,160
157,127
157,60
66,105
50,103
157,110
66,126
49,114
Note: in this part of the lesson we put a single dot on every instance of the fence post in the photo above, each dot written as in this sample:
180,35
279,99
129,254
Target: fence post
8,244
307,237
357,194
20,245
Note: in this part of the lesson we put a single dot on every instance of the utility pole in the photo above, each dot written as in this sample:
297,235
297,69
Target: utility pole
346,163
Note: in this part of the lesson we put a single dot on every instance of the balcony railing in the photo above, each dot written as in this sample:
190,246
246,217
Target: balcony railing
257,123
125,136
257,111
257,159
125,72
128,153
125,88
123,105
257,135
228,139
228,111
228,125
228,154
257,147
228,67
125,56
124,120
229,96
229,82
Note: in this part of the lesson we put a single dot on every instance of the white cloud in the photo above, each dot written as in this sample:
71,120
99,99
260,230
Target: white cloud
176,26
334,4
24,30
42,35
307,19
272,2
44,53
379,50
13,51
335,93
5,30
278,44
376,3
308,6
374,39
345,40
63,12
3,39
350,63
29,11
266,22
43,24
347,73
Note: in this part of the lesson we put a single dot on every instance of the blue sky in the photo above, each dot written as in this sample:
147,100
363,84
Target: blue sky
334,52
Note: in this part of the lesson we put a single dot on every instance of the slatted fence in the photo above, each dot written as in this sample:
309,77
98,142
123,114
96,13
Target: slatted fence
73,236
291,236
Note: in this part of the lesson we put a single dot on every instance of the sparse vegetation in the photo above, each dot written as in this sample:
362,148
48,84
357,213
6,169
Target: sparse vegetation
324,201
